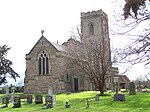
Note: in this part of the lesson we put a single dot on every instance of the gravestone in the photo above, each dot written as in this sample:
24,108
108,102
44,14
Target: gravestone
29,99
119,97
38,99
50,93
86,103
54,100
97,98
67,105
49,102
132,88
68,93
139,89
13,93
5,100
7,90
17,102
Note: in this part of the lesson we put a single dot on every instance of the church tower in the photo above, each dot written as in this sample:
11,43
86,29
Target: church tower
94,30
94,25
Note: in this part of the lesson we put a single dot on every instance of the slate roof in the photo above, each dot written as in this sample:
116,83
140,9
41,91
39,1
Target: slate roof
59,47
123,79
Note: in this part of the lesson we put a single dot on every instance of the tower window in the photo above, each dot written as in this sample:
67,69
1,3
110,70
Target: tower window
67,77
43,64
91,28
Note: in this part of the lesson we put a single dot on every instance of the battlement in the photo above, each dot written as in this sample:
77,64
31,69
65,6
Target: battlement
93,14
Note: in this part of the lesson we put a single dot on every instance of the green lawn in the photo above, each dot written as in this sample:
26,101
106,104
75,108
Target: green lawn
134,103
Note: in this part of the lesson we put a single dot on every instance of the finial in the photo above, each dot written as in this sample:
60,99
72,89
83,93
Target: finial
42,32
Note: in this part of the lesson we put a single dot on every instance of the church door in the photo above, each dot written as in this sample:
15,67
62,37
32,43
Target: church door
76,84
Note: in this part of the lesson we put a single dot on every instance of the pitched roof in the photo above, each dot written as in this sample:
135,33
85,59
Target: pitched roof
123,79
59,47
56,46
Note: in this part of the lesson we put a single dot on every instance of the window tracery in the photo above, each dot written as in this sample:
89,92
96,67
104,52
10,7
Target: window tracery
43,63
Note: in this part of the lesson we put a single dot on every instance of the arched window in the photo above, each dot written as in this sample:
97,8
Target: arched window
43,64
91,28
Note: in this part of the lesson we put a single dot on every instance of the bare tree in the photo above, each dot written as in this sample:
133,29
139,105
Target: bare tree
136,28
142,81
93,60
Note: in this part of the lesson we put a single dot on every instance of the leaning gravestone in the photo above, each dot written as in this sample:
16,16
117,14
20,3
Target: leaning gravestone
38,99
132,88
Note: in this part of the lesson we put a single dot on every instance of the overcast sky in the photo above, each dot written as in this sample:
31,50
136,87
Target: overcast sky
21,22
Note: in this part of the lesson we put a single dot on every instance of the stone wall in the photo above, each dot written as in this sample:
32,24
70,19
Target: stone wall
60,54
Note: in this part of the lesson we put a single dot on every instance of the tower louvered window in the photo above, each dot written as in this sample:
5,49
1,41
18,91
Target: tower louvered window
91,28
43,63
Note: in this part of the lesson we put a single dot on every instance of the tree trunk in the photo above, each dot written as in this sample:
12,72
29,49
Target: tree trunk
101,89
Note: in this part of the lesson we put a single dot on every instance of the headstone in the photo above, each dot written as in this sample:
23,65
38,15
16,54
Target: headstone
132,88
139,89
67,93
5,101
38,99
13,93
50,91
7,90
86,103
29,99
17,102
54,100
49,102
67,105
119,97
97,98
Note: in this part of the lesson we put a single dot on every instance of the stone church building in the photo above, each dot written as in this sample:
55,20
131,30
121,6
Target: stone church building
46,63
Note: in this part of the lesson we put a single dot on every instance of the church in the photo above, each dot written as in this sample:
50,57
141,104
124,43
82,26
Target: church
46,63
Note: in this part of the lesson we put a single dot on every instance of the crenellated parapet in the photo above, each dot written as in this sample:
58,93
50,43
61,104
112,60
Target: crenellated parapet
94,14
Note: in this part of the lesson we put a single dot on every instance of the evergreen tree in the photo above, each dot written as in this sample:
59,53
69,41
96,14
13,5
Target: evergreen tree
5,66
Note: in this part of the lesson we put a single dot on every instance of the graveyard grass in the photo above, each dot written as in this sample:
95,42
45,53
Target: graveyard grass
134,103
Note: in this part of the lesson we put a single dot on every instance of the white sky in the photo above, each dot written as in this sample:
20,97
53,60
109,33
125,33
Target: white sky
21,22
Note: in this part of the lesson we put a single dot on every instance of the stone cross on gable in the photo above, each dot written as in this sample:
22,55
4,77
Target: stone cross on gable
42,35
42,32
